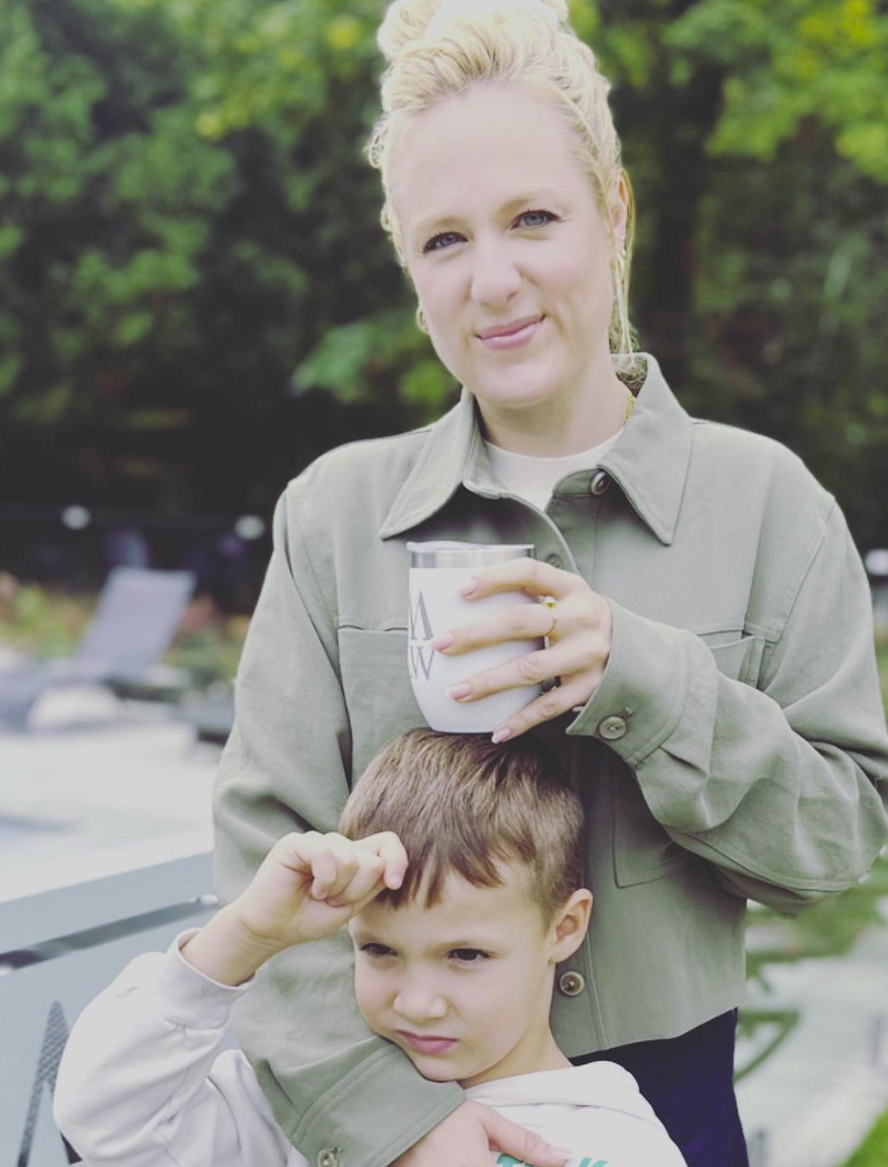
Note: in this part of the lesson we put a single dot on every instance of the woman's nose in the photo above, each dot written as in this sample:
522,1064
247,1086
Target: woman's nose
495,276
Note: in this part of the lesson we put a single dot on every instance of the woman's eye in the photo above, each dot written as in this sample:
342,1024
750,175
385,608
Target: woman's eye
468,955
439,242
536,218
376,950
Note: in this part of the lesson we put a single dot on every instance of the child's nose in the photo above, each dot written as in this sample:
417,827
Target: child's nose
419,1003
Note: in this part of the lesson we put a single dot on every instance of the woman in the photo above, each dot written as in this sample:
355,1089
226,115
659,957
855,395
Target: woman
718,705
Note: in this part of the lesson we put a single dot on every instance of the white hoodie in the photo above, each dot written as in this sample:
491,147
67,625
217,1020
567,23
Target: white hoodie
142,1084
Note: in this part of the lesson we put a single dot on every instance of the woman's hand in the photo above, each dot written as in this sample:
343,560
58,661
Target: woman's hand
578,628
466,1138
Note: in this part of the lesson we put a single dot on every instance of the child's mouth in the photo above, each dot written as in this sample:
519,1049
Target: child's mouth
427,1045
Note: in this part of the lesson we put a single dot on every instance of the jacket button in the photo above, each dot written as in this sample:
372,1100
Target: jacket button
571,983
600,482
612,728
328,1158
555,560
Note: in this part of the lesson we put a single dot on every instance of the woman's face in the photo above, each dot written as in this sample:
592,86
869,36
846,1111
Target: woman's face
507,248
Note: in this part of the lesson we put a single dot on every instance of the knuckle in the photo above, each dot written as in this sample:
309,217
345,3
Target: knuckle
530,669
550,706
516,620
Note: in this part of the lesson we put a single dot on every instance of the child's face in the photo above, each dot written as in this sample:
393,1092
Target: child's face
464,987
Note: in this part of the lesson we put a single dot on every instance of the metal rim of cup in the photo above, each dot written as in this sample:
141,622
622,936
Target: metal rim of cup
448,553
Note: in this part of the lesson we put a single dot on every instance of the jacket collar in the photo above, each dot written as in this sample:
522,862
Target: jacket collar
649,462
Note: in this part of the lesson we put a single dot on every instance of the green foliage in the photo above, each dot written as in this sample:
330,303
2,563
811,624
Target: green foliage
789,62
40,622
47,623
874,1150
355,361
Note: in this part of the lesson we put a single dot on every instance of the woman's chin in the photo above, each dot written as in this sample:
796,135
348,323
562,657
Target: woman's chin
518,394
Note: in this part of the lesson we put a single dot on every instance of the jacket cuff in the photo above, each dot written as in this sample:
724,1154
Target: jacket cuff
336,1133
643,691
184,994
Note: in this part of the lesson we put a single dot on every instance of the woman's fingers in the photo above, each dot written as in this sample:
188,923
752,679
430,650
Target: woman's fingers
515,622
577,655
533,576
564,699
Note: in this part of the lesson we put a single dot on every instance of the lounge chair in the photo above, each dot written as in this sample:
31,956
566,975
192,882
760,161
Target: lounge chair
136,619
211,716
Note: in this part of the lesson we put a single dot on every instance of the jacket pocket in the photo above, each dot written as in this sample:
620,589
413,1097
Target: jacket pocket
643,851
737,653
377,689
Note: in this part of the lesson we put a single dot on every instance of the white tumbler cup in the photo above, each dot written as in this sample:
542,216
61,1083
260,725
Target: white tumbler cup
437,572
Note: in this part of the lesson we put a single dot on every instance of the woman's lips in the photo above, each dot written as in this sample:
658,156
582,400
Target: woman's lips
517,335
427,1045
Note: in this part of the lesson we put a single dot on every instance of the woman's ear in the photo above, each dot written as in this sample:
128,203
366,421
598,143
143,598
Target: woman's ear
570,925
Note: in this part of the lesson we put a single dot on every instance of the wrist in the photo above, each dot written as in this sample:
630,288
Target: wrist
226,951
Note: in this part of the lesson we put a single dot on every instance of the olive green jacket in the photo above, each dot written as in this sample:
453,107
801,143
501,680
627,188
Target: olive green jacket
735,748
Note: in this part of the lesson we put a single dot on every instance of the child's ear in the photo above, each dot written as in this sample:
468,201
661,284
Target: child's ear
570,924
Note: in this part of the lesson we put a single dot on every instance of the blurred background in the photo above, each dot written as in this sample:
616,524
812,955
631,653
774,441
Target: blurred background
196,299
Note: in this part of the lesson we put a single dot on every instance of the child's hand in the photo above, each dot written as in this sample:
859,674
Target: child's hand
308,886
311,884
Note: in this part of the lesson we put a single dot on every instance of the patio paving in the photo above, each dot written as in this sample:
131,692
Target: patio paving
98,787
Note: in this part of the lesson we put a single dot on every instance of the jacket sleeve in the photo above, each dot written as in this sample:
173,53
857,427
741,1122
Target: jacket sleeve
142,1083
783,786
332,1084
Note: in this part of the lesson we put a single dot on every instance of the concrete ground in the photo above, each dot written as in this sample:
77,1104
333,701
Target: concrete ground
811,1103
98,787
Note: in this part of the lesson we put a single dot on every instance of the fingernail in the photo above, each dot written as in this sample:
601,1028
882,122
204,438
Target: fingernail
457,692
501,735
441,643
467,589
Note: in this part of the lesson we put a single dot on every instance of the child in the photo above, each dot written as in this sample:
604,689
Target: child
455,958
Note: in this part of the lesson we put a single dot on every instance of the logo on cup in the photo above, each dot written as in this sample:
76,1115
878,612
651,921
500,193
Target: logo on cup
420,656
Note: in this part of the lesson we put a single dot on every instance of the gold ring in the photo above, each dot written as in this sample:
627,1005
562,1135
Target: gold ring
550,602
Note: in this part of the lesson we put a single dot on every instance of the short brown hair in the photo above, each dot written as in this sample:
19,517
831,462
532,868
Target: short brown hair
460,803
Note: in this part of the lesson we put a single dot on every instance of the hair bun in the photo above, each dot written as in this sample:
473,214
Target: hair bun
408,21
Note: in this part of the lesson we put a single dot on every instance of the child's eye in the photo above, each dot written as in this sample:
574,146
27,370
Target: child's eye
468,955
439,242
536,218
376,950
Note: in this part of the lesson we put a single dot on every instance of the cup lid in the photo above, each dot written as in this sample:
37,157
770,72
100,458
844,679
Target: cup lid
451,553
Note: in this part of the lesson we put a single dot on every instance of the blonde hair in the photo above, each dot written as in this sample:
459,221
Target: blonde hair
438,48
461,804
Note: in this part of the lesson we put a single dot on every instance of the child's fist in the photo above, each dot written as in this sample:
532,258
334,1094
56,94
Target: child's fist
311,884
307,886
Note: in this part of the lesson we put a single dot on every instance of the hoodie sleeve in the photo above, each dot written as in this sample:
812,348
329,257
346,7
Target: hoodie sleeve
142,1081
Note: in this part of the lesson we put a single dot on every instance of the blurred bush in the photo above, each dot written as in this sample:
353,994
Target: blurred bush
48,622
